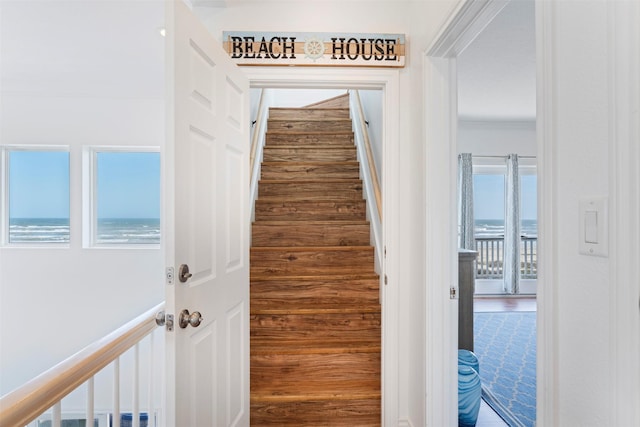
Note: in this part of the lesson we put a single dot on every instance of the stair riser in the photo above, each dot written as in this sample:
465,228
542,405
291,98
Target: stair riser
298,292
311,262
306,373
301,154
310,211
341,139
291,234
303,328
311,190
308,113
314,413
318,171
292,125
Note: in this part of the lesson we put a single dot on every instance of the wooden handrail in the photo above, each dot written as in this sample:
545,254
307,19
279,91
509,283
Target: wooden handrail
256,136
370,160
27,402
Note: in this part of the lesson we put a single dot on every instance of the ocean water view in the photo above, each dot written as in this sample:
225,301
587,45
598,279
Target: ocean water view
128,230
39,230
495,227
109,230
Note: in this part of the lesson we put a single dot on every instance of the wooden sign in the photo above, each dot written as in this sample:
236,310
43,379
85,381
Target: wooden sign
313,49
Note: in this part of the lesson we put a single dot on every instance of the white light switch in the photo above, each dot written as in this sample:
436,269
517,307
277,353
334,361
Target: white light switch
593,235
591,226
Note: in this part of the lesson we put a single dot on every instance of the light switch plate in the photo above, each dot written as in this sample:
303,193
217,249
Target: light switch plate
593,226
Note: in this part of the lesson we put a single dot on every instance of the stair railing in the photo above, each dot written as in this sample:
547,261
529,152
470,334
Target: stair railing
368,171
257,144
46,391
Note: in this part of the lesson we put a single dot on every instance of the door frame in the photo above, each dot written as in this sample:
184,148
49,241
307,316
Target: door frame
465,23
387,80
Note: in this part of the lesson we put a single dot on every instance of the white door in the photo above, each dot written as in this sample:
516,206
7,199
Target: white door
206,227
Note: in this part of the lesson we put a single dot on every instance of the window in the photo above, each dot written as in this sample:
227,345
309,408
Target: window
125,196
489,204
37,195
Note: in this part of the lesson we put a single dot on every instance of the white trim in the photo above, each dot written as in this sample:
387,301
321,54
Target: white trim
388,81
4,196
441,312
465,23
547,340
624,186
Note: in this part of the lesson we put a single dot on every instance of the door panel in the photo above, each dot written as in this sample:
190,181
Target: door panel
206,226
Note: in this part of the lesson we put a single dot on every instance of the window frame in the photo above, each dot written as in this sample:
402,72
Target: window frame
5,219
90,195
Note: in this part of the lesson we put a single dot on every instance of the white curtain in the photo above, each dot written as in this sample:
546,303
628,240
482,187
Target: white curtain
465,202
511,267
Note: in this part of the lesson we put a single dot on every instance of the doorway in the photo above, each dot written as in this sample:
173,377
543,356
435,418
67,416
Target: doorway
496,142
442,66
386,80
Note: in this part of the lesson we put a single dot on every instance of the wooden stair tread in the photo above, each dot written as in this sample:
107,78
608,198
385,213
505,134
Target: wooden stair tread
319,200
312,249
317,309
311,163
353,395
313,133
311,181
271,222
265,278
271,346
316,147
309,119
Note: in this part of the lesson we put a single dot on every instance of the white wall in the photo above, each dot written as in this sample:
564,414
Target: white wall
497,138
69,77
419,21
295,98
580,148
67,297
372,105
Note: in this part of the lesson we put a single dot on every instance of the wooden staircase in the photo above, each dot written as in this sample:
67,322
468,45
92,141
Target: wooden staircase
315,315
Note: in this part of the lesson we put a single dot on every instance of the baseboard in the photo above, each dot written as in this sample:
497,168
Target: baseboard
404,423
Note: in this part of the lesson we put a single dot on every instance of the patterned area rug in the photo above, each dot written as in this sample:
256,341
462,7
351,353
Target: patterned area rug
505,344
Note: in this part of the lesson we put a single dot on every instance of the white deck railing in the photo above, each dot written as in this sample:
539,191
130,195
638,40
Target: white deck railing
490,258
39,402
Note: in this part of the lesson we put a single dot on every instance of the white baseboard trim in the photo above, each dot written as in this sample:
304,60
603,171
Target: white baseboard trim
404,423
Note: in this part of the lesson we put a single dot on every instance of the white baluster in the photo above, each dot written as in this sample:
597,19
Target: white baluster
90,402
116,393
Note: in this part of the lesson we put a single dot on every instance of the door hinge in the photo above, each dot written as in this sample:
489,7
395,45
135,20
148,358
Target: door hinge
453,294
385,251
386,280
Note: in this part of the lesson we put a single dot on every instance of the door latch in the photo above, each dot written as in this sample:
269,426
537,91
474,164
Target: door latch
453,294
163,319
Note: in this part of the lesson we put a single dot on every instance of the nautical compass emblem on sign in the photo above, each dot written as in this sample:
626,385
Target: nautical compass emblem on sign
314,48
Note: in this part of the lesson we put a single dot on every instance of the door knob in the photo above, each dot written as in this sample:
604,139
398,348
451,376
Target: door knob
183,273
194,319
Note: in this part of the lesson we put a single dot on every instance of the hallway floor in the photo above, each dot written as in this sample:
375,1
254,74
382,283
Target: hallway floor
487,417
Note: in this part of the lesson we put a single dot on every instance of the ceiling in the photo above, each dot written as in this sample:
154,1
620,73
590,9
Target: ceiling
113,48
497,72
